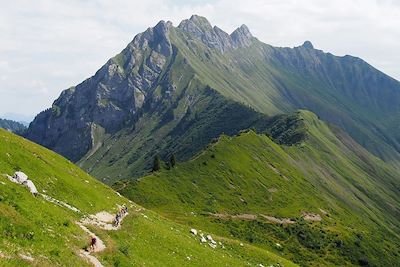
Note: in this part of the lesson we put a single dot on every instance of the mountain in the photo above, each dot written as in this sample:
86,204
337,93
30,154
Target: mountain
325,199
174,89
12,126
53,228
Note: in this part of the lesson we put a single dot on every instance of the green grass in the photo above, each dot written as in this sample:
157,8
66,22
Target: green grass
47,232
250,174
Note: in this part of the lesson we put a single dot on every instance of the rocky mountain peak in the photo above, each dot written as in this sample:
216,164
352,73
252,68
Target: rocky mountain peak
156,38
162,27
308,45
214,37
242,36
196,25
201,22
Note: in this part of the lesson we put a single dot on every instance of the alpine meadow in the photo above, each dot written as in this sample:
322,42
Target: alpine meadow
196,147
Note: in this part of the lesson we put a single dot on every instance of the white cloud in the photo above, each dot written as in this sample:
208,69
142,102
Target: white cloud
49,45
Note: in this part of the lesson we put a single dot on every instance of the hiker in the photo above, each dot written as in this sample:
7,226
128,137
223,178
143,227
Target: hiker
93,243
125,209
117,219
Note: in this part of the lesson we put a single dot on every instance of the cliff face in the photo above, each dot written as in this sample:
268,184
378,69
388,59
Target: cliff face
110,99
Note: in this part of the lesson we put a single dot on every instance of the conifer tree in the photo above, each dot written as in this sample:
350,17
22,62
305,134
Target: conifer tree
156,163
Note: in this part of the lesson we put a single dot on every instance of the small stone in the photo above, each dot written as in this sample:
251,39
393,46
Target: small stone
193,231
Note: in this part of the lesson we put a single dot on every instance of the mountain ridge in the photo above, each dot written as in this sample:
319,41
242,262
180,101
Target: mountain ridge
151,77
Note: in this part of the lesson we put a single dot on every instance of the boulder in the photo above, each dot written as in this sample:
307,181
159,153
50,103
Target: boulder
20,177
193,231
202,239
31,186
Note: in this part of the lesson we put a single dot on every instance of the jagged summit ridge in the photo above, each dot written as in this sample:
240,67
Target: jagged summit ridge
214,37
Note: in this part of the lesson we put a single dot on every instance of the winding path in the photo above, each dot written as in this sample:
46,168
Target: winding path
103,220
98,248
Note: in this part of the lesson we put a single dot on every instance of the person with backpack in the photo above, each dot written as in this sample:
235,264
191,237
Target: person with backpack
117,219
93,242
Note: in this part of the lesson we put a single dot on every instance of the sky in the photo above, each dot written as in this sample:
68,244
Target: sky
47,46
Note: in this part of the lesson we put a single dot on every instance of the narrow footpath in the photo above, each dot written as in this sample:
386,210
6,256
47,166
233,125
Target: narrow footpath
103,220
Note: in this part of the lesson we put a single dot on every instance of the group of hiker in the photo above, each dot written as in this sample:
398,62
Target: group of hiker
120,214
118,217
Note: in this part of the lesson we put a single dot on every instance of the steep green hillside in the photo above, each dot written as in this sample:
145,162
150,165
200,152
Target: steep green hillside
325,200
37,232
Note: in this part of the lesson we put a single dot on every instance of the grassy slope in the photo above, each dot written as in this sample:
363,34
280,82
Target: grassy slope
251,174
47,232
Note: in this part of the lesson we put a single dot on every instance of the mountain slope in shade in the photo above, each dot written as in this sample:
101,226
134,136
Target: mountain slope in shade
12,126
148,99
38,232
326,200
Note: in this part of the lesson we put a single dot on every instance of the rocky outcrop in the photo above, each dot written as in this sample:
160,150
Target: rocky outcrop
110,99
122,89
199,28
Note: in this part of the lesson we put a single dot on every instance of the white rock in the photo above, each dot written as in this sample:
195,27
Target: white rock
20,177
209,237
203,240
193,231
31,186
241,244
213,242
26,257
213,245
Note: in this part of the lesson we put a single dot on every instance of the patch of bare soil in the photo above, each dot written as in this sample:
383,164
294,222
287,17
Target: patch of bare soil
247,217
309,216
273,219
